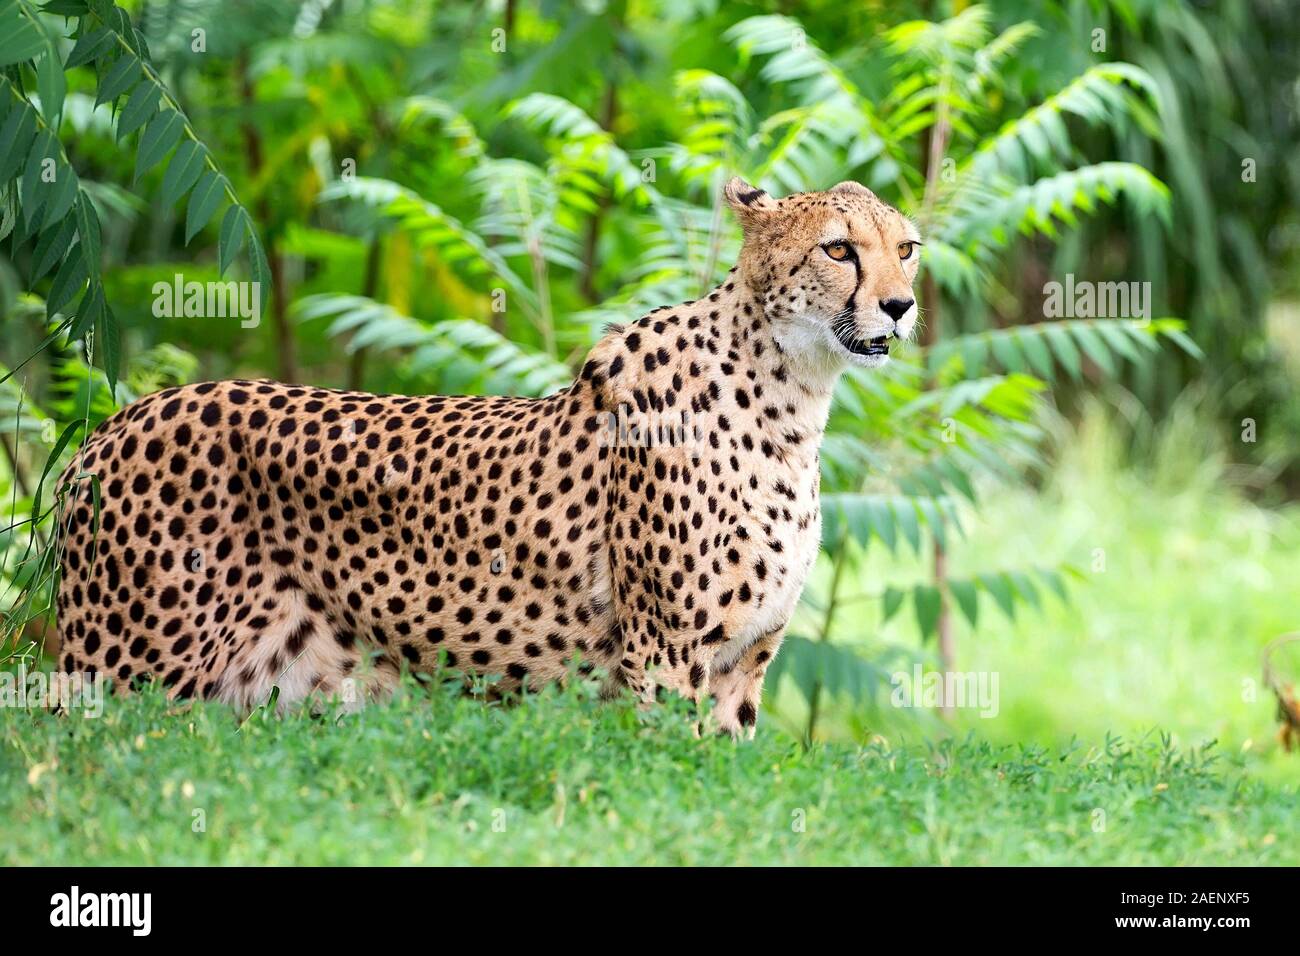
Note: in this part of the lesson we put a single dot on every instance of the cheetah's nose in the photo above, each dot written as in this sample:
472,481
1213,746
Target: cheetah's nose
896,308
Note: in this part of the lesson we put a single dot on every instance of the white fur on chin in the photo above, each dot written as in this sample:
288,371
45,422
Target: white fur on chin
813,349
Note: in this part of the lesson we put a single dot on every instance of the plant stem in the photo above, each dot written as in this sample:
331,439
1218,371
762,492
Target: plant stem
936,146
587,283
814,700
286,344
369,285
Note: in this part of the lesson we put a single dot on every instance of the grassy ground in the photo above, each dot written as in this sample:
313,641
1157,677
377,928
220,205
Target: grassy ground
434,778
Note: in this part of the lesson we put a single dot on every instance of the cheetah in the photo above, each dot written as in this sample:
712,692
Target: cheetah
254,534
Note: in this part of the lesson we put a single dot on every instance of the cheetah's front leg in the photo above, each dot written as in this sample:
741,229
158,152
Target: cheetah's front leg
682,669
738,688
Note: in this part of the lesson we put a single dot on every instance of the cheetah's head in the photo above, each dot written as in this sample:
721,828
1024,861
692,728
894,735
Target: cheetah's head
834,271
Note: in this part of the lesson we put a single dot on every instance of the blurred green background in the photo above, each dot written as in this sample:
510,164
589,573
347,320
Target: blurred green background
457,197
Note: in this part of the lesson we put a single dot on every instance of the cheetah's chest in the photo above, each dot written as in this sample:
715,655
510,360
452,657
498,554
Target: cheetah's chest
785,547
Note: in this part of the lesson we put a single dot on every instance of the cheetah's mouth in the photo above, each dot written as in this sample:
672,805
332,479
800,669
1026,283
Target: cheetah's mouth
862,346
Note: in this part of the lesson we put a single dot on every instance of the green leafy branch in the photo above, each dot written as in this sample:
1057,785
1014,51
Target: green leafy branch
62,219
440,348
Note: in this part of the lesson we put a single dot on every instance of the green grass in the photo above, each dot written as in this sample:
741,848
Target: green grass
563,778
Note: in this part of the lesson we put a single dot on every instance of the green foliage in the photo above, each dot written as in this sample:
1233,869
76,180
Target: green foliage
818,666
432,228
40,190
1142,507
459,354
1047,347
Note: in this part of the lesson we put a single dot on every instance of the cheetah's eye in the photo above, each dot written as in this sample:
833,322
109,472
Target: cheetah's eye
905,249
839,251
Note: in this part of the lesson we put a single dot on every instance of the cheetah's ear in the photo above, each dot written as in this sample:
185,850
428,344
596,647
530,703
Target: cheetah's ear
849,186
751,206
